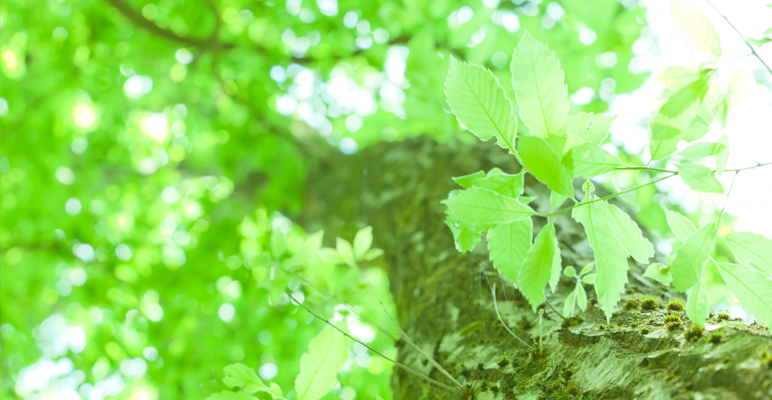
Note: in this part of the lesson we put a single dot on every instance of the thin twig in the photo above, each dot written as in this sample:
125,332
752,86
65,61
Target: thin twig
553,309
741,37
630,167
747,168
718,223
496,306
396,363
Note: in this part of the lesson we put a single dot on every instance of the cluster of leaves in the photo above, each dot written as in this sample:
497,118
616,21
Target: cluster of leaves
558,147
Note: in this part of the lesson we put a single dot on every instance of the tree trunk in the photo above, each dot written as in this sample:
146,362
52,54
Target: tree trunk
445,305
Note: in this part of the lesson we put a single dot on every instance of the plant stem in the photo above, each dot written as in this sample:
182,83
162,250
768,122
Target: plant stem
747,168
718,223
644,168
741,36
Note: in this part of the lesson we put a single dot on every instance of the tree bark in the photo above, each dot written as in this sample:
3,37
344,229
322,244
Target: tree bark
445,305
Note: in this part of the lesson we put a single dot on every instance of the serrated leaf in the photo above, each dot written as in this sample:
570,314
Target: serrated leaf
680,225
751,288
689,262
362,242
479,102
751,248
591,160
697,303
540,90
226,395
697,29
482,206
327,353
659,273
468,181
702,150
508,245
700,178
239,375
569,271
346,251
610,256
677,77
506,184
541,262
630,235
590,127
541,161
465,237
581,297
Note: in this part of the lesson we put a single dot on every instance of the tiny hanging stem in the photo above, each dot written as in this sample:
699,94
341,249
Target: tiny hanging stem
553,309
758,57
495,305
731,186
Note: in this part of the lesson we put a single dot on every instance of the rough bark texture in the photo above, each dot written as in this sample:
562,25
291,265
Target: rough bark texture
445,304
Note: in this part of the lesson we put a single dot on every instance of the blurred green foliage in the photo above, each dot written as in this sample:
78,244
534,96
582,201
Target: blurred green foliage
151,151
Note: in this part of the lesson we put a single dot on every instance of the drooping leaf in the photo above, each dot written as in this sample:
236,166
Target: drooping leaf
540,90
591,160
702,150
464,236
751,288
698,29
610,256
508,244
630,235
506,184
660,273
482,206
541,161
479,102
677,77
470,180
541,263
362,242
590,126
327,353
680,225
700,178
689,262
751,248
697,303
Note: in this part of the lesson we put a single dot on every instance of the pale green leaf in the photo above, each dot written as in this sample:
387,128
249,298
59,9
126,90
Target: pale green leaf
508,245
569,271
751,248
540,90
702,150
327,353
589,279
661,148
591,160
362,242
723,156
330,256
346,251
239,375
541,161
686,98
700,178
581,297
735,88
226,395
677,77
479,102
464,236
506,184
372,254
556,199
697,303
470,180
680,225
610,256
568,304
541,262
689,262
311,247
659,273
278,245
482,206
697,29
630,235
590,127
572,141
696,129
586,269
751,288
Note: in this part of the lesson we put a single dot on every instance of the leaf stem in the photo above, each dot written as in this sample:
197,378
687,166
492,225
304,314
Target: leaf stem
644,168
747,168
731,186
741,37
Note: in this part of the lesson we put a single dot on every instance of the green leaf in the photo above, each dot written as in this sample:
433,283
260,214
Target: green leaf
239,375
689,96
723,156
464,236
278,245
590,126
659,273
479,102
330,256
506,184
680,225
327,353
226,395
482,206
697,303
569,271
702,150
589,279
581,297
556,199
586,269
677,77
470,180
362,242
629,235
697,29
541,264
568,304
751,288
689,262
372,254
345,251
591,160
311,247
696,129
700,178
508,245
751,248
735,87
541,161
610,256
540,90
